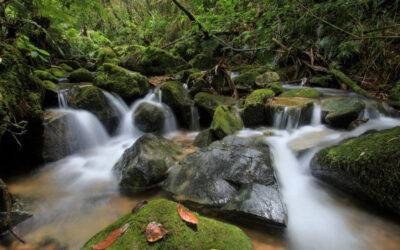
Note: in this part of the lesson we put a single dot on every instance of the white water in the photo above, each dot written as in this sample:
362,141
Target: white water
317,115
117,104
288,118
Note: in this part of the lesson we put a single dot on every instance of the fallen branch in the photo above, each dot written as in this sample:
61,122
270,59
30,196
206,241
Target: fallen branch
16,236
349,82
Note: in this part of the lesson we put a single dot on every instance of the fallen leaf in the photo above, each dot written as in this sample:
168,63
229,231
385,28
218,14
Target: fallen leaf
155,232
186,215
139,206
111,238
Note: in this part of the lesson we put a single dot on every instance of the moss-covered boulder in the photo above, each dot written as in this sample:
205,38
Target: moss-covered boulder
153,61
57,71
246,81
50,93
145,163
302,92
81,75
66,67
340,112
45,75
289,112
226,121
271,80
394,96
367,167
178,99
127,84
202,61
105,54
210,234
254,113
207,103
92,99
149,118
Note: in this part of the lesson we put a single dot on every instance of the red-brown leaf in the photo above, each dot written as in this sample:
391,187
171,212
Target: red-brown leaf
186,215
111,238
155,232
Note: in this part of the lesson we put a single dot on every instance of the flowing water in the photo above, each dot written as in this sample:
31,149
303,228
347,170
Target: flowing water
75,197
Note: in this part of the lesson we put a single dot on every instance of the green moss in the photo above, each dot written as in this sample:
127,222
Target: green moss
302,92
203,61
247,81
210,234
270,80
45,75
341,111
226,122
254,107
81,75
394,96
127,84
367,165
66,67
58,72
49,85
258,97
104,55
321,80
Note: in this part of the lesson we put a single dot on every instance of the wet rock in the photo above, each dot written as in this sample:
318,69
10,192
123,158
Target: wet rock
366,167
289,112
302,92
254,112
149,118
340,112
226,121
127,84
207,104
233,175
81,75
209,234
178,99
270,80
205,138
45,75
92,99
146,163
56,133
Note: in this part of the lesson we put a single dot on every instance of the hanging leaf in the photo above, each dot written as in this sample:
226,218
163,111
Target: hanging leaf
186,215
155,232
111,238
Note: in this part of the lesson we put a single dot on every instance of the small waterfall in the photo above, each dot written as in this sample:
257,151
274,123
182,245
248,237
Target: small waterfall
195,119
62,98
117,104
317,115
287,118
154,97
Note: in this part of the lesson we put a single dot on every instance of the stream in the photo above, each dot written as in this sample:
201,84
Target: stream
74,198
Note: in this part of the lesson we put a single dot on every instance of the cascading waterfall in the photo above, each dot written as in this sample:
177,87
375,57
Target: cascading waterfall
117,104
62,98
316,118
287,118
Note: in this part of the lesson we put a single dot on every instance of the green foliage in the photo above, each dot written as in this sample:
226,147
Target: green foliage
31,51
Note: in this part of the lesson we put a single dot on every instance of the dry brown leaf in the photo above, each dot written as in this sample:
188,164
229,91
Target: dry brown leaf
111,238
186,215
158,80
155,232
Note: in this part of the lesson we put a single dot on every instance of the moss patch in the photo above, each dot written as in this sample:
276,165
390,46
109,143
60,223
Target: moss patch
45,75
303,92
207,103
210,234
81,75
226,122
394,96
258,97
254,107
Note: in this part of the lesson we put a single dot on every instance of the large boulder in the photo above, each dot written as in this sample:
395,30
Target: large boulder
81,75
289,112
226,121
127,84
92,99
302,92
59,140
367,167
207,104
178,99
10,215
152,61
146,163
254,113
340,112
45,75
149,118
208,234
235,176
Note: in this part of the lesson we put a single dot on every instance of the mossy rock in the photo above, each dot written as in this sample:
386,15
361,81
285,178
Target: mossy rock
321,81
74,64
394,96
226,122
254,113
66,67
50,96
81,75
246,82
127,84
153,61
340,112
149,118
210,234
92,99
105,54
302,92
289,112
271,80
178,99
207,104
45,75
203,61
58,72
197,82
367,167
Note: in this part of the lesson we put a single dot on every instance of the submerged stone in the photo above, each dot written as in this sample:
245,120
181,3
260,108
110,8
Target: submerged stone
146,163
366,167
234,175
209,233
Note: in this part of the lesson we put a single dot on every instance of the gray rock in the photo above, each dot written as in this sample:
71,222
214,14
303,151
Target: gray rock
341,112
149,118
234,174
